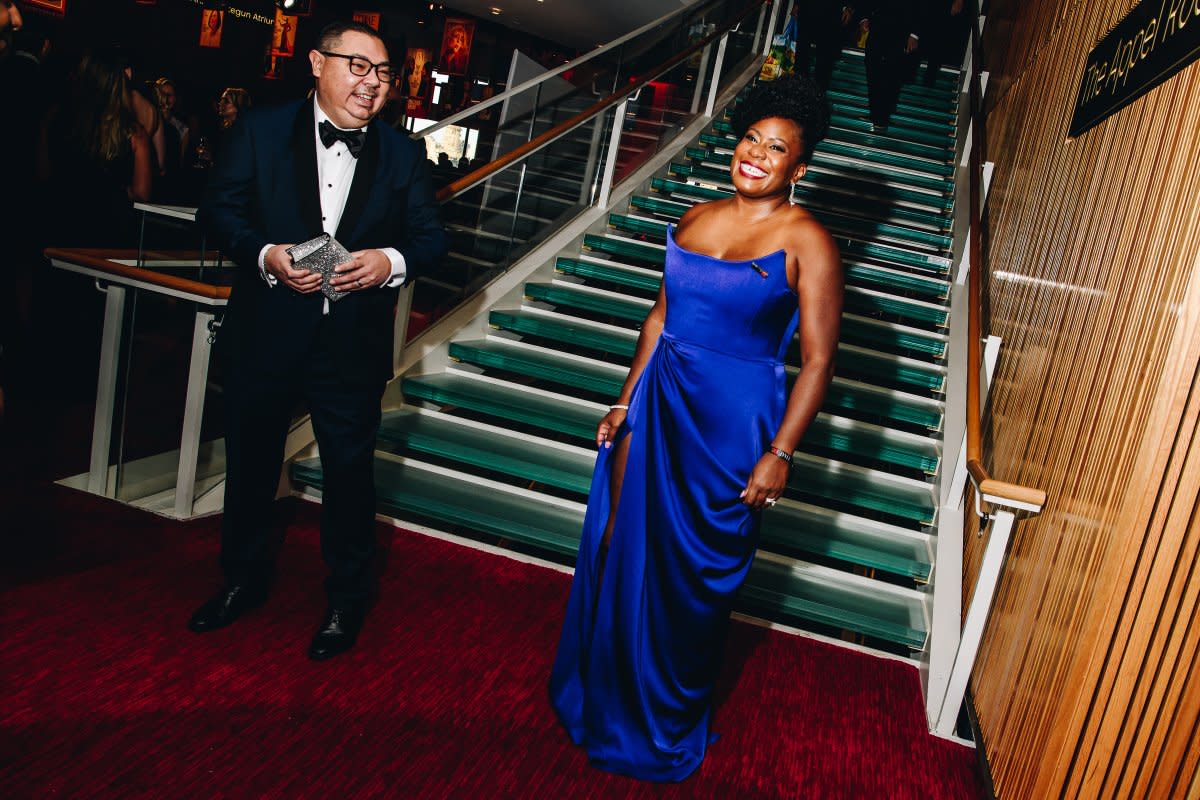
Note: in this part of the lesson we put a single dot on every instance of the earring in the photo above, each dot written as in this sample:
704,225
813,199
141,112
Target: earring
792,193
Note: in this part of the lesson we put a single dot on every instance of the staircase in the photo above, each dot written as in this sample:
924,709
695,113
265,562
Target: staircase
496,442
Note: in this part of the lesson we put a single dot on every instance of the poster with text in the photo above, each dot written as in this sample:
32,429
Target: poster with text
212,25
415,82
369,18
456,46
283,38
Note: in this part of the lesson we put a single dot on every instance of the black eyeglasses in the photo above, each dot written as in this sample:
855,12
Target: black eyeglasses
361,66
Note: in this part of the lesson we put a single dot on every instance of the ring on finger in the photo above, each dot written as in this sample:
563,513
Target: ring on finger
771,501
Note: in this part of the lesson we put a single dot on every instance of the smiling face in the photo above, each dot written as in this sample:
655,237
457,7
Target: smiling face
350,100
767,158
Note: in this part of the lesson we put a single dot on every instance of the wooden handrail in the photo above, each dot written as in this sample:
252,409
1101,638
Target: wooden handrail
533,145
106,261
984,482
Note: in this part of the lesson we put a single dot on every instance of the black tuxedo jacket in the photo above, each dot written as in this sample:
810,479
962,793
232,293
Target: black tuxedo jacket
264,190
892,21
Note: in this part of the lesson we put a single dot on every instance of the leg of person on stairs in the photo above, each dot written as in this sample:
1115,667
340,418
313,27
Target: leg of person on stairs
616,481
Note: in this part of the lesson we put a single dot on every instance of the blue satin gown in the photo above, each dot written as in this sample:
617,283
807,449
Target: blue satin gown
641,648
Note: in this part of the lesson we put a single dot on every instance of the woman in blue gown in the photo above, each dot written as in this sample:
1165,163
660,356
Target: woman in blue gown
698,442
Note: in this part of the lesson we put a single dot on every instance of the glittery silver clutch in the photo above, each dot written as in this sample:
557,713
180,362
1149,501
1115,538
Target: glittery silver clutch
321,255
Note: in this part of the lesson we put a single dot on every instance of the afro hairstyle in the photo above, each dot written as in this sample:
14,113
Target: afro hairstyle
798,99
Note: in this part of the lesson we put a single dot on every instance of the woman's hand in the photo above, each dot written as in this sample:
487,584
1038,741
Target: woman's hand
766,481
610,423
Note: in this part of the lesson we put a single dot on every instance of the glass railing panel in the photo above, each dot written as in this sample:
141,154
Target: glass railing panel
494,223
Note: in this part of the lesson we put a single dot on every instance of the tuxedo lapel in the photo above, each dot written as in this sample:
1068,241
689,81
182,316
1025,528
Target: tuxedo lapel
304,155
360,187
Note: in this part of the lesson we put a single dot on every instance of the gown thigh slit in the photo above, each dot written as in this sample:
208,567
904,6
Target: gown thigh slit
641,645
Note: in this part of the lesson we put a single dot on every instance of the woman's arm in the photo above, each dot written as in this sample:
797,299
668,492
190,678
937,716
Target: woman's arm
647,340
819,286
141,181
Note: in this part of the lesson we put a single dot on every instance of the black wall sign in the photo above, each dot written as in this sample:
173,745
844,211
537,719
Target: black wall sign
1154,41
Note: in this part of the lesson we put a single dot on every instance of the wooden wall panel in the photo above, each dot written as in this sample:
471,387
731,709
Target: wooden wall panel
1086,684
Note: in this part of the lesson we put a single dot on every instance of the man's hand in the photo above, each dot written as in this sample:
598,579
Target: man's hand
278,262
910,46
368,269
956,8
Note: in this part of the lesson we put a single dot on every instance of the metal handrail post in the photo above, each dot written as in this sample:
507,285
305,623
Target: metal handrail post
610,161
716,76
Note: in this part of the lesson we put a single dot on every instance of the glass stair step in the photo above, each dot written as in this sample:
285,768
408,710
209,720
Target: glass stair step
830,432
853,397
420,431
624,248
853,62
406,486
853,249
889,369
838,534
780,587
859,122
866,301
845,396
687,194
846,99
836,223
873,442
506,400
942,95
633,309
940,151
841,535
833,181
888,336
918,176
892,337
671,209
920,164
567,330
862,487
907,374
859,131
873,275
611,272
791,528
539,362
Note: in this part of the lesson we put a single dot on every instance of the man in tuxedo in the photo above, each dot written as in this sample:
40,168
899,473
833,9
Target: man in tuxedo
893,30
287,174
820,26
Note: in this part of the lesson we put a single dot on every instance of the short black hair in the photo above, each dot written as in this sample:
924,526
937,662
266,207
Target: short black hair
334,31
798,99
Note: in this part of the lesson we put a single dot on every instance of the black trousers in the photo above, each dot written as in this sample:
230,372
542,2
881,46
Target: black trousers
345,418
820,37
888,68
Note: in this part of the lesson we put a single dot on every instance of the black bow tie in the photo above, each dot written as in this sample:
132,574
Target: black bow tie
330,134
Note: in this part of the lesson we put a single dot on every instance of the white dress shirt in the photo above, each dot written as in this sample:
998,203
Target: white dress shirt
335,174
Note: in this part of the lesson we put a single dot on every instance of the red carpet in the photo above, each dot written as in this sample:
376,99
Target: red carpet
106,694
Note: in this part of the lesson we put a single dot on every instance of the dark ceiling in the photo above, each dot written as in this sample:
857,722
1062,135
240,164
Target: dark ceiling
581,24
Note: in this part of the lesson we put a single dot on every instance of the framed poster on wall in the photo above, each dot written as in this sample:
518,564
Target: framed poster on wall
212,25
283,39
456,46
53,6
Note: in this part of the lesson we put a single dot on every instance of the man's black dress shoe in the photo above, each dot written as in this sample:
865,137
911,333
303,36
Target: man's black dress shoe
226,607
336,635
